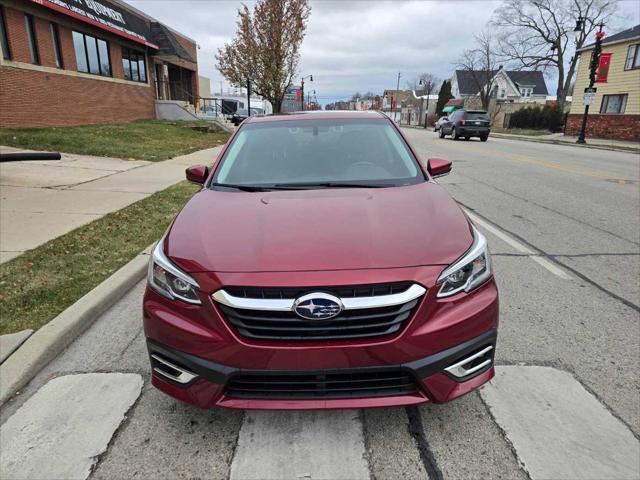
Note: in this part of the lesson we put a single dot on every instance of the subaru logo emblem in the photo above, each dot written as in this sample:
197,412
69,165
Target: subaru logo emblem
317,306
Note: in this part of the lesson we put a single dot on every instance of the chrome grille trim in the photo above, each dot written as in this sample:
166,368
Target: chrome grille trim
286,305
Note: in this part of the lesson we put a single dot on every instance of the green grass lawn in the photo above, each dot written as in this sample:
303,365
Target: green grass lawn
152,140
39,284
521,131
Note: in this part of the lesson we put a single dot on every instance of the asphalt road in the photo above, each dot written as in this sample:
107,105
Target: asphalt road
563,224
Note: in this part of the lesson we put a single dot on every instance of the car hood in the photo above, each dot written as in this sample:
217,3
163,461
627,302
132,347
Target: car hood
326,229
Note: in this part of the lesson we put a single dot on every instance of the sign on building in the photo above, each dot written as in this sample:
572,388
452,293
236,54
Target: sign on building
105,15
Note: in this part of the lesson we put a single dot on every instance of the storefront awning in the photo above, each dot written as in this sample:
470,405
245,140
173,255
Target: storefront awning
453,104
105,15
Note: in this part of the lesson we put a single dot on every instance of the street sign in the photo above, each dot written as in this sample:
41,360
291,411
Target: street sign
589,98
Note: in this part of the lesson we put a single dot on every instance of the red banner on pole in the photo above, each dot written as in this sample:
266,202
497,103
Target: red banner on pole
603,68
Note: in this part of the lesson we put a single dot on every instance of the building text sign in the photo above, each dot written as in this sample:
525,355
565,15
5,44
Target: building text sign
103,14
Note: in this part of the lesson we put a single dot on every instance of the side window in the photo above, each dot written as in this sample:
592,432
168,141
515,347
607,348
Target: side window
92,54
4,39
633,57
33,41
134,65
55,39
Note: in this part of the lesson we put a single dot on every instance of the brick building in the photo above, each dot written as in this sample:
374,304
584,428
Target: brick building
615,113
72,62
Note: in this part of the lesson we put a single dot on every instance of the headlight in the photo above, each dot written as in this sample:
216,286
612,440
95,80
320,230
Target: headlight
166,279
468,272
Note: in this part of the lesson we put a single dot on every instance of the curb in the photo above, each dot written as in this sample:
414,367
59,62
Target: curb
45,344
570,144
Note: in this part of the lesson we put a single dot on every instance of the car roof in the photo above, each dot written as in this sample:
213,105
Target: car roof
316,114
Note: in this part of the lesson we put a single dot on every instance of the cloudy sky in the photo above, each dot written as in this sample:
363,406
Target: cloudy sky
354,46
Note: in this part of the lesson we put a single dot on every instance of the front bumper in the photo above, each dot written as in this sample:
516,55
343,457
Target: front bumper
206,384
439,333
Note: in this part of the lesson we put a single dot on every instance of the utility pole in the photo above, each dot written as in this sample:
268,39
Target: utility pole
593,67
397,95
310,77
426,115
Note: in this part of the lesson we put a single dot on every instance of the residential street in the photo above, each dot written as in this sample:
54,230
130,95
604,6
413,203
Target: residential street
562,224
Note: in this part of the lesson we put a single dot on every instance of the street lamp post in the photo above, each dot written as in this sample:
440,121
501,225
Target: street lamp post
593,67
310,77
248,96
428,89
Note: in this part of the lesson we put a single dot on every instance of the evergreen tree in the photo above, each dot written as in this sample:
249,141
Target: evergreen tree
443,96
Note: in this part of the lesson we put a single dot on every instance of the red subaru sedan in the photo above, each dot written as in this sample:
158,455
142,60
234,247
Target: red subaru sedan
320,266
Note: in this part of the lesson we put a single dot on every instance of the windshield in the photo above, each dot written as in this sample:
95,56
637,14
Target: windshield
318,153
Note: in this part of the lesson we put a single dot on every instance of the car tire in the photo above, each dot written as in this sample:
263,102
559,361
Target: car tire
441,133
484,138
454,134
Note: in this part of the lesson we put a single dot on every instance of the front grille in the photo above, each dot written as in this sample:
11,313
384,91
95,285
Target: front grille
362,323
343,384
349,291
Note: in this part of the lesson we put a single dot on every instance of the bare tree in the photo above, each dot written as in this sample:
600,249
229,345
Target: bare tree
481,64
538,33
266,48
425,84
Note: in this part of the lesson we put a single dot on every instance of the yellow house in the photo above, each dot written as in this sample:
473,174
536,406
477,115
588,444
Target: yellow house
615,113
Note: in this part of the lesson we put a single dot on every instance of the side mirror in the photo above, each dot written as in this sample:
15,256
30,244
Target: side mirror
438,167
197,174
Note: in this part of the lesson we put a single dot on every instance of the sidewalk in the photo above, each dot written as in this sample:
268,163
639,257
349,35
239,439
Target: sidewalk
561,139
42,200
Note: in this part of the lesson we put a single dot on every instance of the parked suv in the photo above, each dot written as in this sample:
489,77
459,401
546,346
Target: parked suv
467,124
320,266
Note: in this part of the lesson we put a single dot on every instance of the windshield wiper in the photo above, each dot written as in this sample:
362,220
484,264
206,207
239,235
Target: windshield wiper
303,186
244,188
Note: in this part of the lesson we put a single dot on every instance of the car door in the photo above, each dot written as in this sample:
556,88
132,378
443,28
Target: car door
448,123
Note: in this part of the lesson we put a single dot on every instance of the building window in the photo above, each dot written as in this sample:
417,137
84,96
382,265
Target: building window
4,40
33,41
633,57
55,39
613,103
134,65
526,92
92,54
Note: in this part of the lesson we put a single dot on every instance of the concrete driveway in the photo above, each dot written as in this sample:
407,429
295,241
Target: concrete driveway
41,200
562,224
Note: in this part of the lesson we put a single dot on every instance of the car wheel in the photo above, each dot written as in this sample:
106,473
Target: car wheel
454,134
484,138
441,134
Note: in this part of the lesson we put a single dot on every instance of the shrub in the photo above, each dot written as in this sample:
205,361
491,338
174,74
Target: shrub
537,117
